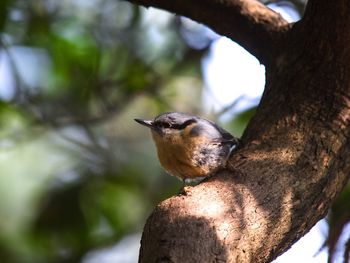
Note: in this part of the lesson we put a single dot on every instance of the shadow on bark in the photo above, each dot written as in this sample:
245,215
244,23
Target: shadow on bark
172,244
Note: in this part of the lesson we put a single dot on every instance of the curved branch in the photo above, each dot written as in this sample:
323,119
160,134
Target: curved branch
249,23
294,159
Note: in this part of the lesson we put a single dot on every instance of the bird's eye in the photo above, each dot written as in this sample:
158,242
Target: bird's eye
163,124
175,126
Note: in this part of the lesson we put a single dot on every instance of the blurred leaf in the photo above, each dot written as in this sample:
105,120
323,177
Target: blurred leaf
16,127
4,8
120,205
75,59
240,121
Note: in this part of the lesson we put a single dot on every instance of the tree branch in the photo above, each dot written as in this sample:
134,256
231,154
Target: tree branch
293,161
249,23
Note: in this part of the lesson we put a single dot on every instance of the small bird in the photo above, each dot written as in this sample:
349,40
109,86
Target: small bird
188,146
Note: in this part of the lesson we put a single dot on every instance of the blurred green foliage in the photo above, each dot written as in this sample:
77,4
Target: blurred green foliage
76,172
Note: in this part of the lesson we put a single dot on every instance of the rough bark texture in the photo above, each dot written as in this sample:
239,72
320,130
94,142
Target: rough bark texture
295,156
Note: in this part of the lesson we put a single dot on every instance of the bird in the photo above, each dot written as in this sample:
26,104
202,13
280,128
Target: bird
188,146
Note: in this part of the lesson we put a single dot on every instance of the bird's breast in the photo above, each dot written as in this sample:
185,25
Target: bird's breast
188,157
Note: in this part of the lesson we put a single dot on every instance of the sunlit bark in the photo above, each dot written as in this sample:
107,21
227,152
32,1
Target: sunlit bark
295,153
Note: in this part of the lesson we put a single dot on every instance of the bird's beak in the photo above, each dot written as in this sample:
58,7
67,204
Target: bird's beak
146,123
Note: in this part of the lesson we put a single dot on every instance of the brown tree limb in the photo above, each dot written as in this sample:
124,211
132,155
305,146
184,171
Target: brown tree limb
294,159
251,24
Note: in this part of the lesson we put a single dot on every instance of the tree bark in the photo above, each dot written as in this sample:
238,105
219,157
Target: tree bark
295,153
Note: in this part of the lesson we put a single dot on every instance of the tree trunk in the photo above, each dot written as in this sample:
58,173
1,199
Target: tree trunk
295,153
